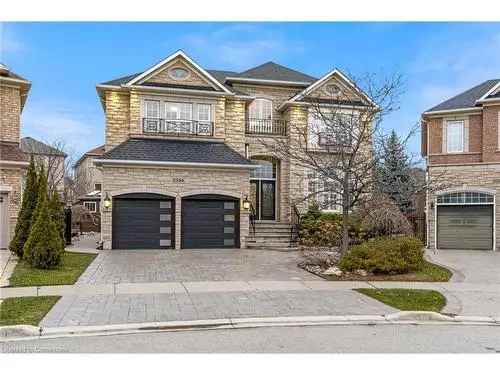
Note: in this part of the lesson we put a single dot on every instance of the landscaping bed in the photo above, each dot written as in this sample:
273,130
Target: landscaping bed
67,272
25,310
408,299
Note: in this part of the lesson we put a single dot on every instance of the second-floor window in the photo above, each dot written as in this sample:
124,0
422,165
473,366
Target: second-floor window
455,136
332,131
179,118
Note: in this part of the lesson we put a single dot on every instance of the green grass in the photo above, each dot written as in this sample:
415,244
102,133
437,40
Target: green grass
430,272
25,310
70,269
408,299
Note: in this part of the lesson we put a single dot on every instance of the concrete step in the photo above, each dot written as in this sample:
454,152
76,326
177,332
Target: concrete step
269,235
273,248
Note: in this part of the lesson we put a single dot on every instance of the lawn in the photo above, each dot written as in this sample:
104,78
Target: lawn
25,310
408,299
429,272
70,269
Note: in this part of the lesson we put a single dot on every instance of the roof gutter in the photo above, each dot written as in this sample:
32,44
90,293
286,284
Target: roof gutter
177,90
174,164
444,111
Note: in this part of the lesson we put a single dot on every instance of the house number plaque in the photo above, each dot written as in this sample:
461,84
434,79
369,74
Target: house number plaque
178,180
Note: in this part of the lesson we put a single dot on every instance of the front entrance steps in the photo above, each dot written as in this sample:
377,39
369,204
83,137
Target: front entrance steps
271,235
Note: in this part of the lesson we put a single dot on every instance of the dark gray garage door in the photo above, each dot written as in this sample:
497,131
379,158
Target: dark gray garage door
210,221
465,227
143,221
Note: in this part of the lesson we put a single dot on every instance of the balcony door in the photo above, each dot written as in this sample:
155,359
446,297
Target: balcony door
260,116
263,190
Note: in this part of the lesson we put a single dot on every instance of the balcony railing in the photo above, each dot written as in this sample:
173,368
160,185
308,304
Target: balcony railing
266,126
159,126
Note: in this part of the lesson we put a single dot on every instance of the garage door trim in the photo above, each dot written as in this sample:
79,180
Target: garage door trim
462,197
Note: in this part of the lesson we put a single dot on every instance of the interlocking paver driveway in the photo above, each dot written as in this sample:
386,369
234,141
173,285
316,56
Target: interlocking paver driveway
142,266
121,309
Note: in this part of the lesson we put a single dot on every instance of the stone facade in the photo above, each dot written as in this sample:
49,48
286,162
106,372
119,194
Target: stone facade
193,79
11,182
123,180
464,177
10,110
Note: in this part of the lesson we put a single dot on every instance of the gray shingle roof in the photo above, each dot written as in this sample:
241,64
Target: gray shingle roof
182,151
467,98
32,146
269,70
273,71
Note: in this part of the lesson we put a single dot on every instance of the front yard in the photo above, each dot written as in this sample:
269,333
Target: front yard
25,310
70,269
408,299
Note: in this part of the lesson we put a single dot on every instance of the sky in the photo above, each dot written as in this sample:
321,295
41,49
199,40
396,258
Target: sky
65,61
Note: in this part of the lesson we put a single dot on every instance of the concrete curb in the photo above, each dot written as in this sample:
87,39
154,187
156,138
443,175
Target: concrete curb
16,333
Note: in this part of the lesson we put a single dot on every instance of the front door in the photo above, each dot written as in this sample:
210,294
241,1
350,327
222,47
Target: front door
263,197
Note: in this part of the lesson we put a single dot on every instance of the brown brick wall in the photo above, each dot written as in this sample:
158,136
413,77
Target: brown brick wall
490,133
10,112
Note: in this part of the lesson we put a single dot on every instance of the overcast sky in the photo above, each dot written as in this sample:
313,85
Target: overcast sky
65,61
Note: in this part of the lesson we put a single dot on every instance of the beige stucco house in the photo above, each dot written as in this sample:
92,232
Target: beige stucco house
184,159
461,143
13,162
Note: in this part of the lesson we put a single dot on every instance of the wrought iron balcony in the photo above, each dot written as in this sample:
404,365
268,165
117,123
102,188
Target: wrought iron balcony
159,126
266,126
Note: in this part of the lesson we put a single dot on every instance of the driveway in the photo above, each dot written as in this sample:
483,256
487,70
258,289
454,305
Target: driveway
478,272
147,266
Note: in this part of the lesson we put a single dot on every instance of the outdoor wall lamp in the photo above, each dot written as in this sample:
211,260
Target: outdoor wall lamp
246,203
107,201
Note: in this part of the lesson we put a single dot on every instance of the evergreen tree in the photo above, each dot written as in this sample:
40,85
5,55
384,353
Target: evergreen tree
56,209
25,218
394,173
44,247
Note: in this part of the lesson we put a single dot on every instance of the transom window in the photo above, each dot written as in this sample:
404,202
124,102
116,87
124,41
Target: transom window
465,197
267,170
455,136
91,206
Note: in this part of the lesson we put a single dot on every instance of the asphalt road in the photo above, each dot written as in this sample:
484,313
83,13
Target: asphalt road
332,339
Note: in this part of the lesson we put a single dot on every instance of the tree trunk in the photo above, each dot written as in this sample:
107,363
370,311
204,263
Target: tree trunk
345,216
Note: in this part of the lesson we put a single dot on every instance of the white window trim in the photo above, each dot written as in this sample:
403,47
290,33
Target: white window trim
90,203
465,135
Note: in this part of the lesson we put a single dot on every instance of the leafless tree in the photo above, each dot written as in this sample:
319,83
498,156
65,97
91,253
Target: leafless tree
339,145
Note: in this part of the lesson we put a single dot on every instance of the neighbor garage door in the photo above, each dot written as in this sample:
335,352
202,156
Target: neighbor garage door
143,221
210,221
465,227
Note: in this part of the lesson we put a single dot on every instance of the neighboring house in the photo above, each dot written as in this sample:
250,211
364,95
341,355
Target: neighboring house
461,142
88,180
13,162
52,159
183,153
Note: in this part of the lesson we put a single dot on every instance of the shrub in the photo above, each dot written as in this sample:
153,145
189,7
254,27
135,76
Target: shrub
56,210
385,255
381,216
44,247
25,218
325,229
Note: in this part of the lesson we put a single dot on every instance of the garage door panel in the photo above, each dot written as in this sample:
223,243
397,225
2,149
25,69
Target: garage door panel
142,223
465,227
209,223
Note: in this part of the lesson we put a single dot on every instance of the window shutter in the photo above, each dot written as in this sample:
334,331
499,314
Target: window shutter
466,135
444,147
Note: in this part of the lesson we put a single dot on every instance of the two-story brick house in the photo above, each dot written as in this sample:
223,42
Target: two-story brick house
184,154
13,162
461,143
